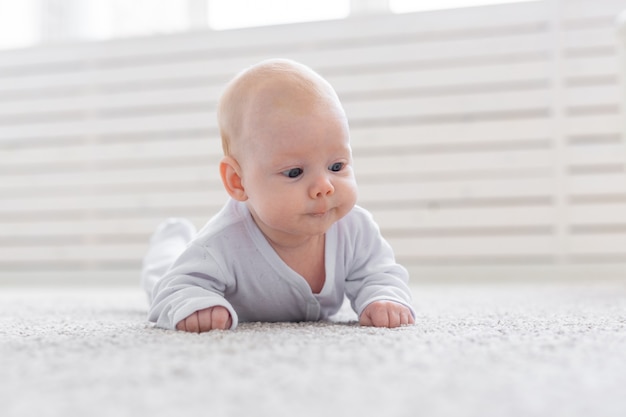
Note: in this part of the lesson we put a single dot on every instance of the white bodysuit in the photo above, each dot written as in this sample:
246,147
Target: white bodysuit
230,263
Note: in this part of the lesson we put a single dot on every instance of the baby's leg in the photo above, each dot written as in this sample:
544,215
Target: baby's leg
167,243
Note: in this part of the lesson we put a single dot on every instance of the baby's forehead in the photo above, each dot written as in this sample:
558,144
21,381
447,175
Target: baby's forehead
294,86
269,94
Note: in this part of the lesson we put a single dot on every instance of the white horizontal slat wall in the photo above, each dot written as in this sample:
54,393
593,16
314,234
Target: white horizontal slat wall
595,154
487,141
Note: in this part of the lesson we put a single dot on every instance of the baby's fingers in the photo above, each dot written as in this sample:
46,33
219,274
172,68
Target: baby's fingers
205,321
386,314
375,315
406,317
220,318
189,324
212,318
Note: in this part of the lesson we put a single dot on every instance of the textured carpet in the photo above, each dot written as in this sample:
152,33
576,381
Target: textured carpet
475,351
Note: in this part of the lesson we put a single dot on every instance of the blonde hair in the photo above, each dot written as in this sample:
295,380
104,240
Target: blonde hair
240,93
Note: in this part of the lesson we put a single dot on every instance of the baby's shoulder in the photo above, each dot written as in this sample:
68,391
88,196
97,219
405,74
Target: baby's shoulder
358,215
227,224
357,221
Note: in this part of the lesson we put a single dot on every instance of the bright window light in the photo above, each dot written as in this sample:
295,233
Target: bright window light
231,14
26,22
407,6
106,19
18,23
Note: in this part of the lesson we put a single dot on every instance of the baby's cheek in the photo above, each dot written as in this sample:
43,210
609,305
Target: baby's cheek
353,192
283,208
349,195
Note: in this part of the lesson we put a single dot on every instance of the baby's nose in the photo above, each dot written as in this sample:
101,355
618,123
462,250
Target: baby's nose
322,187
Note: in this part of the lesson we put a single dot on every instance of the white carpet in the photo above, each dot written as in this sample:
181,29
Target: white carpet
475,351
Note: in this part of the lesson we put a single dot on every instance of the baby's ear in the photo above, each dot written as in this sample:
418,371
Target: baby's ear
231,178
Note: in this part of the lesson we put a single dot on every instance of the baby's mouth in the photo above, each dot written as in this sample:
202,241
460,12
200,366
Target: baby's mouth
319,213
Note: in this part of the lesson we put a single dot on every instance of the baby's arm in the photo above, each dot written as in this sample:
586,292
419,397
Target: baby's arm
386,314
194,284
376,284
212,318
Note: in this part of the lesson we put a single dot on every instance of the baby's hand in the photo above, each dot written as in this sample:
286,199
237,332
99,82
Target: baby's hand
212,318
386,314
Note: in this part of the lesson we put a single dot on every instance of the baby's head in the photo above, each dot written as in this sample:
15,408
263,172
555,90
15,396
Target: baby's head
271,86
287,149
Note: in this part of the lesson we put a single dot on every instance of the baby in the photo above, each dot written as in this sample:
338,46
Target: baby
290,243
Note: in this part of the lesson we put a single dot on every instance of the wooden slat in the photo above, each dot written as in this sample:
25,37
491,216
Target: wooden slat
119,181
453,105
588,213
598,154
163,119
585,96
95,228
88,202
77,275
451,220
593,124
441,81
587,36
473,246
608,244
460,132
596,67
23,111
612,183
513,188
85,253
32,158
407,164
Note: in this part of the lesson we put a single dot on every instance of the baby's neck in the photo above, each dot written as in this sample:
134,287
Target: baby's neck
307,259
297,245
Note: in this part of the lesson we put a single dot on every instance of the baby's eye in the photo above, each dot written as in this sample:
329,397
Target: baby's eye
293,172
337,166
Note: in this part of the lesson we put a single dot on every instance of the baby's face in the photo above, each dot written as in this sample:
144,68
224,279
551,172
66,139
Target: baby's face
297,172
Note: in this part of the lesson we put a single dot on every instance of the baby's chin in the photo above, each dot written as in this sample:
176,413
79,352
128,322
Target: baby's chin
322,221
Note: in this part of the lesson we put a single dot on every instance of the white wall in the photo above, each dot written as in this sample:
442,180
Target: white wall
488,141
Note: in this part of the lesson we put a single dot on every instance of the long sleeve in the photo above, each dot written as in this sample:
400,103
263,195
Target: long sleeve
194,282
373,273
